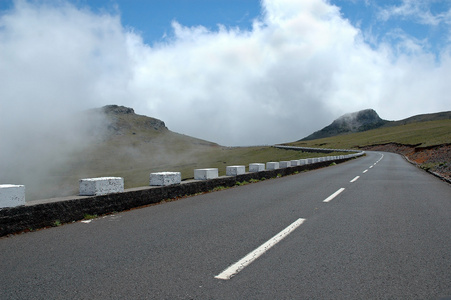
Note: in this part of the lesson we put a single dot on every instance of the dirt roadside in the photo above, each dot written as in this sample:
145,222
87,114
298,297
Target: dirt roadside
435,159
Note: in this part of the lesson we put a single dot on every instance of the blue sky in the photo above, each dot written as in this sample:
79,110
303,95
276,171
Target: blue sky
152,19
421,20
273,71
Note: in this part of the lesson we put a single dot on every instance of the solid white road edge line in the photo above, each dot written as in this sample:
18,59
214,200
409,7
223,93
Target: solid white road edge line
248,259
355,178
334,195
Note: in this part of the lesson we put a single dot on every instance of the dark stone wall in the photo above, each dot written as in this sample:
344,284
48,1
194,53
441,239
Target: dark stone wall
43,214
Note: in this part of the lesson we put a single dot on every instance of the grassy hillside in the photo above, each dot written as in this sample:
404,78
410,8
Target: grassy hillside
423,134
368,119
133,146
444,115
165,153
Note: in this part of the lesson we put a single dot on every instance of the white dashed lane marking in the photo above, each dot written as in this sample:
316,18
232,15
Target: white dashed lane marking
334,195
355,178
248,259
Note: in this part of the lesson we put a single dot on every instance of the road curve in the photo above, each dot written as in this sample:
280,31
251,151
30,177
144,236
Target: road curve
374,227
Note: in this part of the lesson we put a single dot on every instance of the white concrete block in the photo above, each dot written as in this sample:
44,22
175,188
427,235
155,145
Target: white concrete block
272,165
165,178
12,195
101,186
284,164
303,161
204,174
235,170
256,167
295,162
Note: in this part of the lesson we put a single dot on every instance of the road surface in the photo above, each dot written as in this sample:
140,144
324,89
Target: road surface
371,228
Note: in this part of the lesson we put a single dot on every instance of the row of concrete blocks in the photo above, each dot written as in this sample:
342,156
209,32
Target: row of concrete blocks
14,195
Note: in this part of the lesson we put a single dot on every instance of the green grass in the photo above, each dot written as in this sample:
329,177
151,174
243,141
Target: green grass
423,134
89,217
136,170
238,183
219,188
135,164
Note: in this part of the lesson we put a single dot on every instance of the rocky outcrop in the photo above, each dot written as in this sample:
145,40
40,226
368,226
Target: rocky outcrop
117,110
156,124
122,119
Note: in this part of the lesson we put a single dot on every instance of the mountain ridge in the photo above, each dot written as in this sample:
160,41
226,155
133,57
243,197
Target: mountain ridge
368,119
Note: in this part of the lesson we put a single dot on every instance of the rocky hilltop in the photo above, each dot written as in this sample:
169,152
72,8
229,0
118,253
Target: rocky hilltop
349,123
123,119
117,110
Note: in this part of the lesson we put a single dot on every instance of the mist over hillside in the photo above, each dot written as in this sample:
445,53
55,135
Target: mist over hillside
35,148
352,122
50,157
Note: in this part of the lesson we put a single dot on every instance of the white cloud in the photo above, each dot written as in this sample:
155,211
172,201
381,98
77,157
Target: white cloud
301,66
264,86
417,10
52,58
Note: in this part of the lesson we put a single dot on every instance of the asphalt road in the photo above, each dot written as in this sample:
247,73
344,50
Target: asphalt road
386,235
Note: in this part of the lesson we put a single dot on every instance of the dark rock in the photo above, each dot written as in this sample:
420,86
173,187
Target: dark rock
118,110
156,124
